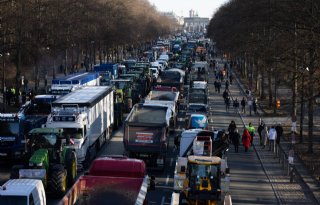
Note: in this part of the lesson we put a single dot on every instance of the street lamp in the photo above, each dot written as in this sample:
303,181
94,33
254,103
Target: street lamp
3,80
302,106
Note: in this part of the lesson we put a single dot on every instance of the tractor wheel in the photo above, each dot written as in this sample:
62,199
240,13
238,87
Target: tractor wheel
71,166
14,174
58,181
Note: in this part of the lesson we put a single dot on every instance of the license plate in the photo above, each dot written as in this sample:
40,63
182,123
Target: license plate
3,154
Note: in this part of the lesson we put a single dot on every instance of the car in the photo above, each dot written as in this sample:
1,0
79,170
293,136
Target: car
155,72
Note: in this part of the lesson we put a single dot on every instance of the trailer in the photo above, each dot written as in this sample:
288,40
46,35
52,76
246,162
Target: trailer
146,134
69,83
107,72
165,98
89,114
111,180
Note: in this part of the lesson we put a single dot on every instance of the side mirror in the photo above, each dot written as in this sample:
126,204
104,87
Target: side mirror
152,183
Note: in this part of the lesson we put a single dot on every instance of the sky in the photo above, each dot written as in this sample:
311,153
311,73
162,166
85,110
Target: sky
205,8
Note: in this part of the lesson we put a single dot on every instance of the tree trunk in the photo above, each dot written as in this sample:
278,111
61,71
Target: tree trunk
270,87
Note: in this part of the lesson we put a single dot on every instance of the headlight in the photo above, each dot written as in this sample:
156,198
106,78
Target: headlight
39,164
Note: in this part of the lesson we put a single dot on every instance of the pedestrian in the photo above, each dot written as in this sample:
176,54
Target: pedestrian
264,136
250,102
232,127
230,78
294,123
272,136
225,94
246,138
227,84
235,137
176,142
219,86
254,105
260,128
227,101
216,85
243,105
236,105
279,131
252,131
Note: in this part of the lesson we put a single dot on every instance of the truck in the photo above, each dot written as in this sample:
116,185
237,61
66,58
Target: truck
111,180
146,134
89,114
69,83
107,72
23,192
199,71
14,127
173,77
201,174
165,98
123,89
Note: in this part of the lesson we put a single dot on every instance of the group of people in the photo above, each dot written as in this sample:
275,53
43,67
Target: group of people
270,137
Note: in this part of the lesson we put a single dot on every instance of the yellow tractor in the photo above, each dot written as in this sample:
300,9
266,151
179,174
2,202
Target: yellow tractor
200,178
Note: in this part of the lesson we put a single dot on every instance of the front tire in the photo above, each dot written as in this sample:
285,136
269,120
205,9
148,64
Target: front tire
71,166
58,183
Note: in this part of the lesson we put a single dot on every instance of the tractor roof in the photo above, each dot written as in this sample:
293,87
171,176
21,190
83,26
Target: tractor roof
204,160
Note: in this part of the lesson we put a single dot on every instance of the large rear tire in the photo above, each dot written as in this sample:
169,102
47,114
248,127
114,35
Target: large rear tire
58,183
71,166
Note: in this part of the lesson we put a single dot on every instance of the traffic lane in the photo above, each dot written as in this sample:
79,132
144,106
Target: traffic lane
5,169
164,180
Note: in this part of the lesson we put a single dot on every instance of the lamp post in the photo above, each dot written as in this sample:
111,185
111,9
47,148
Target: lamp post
302,106
3,80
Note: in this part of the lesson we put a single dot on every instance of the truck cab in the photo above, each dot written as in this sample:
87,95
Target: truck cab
23,192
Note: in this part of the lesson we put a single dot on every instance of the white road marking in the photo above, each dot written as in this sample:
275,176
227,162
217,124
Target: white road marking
162,200
167,180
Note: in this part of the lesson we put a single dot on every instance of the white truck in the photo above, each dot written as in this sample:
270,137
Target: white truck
87,115
23,192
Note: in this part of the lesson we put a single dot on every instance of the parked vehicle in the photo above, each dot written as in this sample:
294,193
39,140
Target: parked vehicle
89,114
112,180
22,192
69,83
146,134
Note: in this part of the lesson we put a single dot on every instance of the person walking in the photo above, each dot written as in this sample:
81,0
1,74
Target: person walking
254,106
252,131
216,85
243,105
219,86
235,138
225,94
279,131
272,136
260,128
246,138
227,101
264,136
227,84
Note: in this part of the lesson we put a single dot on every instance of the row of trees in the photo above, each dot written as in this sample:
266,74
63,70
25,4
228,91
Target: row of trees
276,40
32,29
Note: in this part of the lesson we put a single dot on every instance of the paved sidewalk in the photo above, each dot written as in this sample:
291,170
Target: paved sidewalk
304,189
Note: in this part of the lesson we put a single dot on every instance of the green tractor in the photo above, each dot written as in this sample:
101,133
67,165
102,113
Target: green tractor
123,99
52,159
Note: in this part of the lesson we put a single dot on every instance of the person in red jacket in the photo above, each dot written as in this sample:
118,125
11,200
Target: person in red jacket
246,138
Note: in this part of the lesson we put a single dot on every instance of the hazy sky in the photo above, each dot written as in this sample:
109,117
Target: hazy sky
205,8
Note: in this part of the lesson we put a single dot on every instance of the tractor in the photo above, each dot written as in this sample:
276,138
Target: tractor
51,158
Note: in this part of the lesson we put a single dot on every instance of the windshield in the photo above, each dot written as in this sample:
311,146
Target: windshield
9,128
120,85
175,76
202,175
197,108
21,200
73,132
43,141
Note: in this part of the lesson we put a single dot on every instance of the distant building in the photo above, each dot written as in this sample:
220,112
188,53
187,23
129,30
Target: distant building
172,15
194,23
